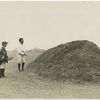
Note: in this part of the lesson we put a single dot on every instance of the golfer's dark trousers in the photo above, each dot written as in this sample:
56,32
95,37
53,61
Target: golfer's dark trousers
19,66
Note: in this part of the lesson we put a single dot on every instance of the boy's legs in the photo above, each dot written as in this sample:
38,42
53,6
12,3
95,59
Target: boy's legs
2,70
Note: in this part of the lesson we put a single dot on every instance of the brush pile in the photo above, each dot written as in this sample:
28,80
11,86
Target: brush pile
73,61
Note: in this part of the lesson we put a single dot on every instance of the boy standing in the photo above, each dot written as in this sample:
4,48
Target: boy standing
3,58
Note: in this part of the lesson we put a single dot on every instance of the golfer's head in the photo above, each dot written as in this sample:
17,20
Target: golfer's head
21,40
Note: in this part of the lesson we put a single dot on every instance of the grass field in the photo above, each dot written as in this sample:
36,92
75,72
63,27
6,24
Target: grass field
22,85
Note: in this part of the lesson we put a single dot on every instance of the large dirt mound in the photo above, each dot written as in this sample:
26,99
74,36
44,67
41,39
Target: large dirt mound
74,61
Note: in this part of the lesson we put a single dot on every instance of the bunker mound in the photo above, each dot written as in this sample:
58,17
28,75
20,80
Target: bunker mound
74,61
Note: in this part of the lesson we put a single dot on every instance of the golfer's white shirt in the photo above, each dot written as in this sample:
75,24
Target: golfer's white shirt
21,50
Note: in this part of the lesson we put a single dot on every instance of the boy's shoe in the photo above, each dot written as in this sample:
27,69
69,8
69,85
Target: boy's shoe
3,76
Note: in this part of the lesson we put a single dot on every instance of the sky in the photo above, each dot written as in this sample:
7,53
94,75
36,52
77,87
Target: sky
47,24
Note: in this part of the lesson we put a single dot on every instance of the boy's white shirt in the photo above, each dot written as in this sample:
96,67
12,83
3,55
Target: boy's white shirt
21,49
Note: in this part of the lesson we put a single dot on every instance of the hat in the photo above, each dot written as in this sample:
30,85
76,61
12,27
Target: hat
4,42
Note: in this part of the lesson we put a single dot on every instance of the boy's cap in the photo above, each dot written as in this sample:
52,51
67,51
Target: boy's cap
4,42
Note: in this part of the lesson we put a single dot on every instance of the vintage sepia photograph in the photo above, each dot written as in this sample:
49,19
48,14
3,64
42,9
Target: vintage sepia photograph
50,49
